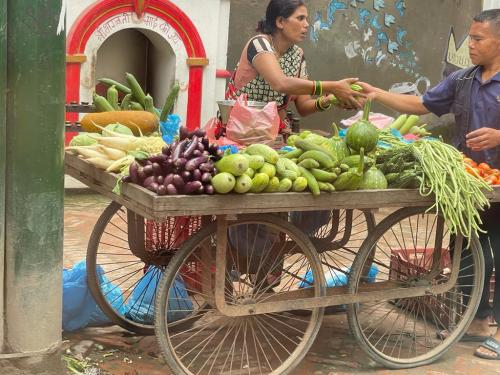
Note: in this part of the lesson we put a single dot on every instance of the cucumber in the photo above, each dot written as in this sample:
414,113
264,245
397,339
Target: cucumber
101,104
136,89
112,97
111,82
169,102
308,163
320,156
312,184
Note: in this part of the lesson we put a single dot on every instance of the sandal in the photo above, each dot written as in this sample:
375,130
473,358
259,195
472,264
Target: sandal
491,344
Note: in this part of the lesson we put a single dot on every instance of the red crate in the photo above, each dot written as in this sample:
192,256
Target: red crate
414,262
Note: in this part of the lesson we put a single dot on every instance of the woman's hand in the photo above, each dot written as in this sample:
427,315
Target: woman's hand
342,90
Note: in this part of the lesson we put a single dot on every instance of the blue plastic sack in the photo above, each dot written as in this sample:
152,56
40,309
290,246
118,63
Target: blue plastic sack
79,307
232,148
140,307
337,278
170,128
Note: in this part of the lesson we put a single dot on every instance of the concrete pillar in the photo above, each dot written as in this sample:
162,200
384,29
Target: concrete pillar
3,93
34,182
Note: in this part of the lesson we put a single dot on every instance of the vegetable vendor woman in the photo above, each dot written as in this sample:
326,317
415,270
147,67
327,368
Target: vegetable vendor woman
273,68
473,95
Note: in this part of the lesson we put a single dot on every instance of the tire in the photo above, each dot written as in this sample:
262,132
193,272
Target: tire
263,344
122,280
411,332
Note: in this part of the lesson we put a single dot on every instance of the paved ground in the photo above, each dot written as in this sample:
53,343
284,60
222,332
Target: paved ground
112,350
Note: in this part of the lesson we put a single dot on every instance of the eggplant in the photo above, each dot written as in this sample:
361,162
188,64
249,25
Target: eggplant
156,158
213,148
148,181
189,149
166,150
156,169
200,133
153,187
205,141
183,133
192,187
162,190
140,173
171,190
169,179
180,163
206,177
178,183
201,190
127,179
196,175
179,149
197,153
148,170
209,189
192,164
200,147
206,167
186,176
133,171
160,179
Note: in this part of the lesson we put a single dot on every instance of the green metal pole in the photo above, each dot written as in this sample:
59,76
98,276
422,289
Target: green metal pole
34,175
3,91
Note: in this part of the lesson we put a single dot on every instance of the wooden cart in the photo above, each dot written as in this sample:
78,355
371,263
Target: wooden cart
244,290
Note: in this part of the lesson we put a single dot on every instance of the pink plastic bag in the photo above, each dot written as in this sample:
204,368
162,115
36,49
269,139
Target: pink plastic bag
214,130
249,125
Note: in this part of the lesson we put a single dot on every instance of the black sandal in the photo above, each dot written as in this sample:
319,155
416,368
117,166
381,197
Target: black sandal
490,344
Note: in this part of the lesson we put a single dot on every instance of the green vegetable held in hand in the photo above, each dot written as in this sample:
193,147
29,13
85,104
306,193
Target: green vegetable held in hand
363,134
354,86
409,123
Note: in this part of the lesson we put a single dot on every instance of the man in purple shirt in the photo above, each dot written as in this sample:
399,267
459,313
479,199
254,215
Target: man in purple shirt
473,96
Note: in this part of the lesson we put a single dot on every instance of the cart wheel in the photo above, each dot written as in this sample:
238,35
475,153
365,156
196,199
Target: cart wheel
126,256
405,250
266,257
339,241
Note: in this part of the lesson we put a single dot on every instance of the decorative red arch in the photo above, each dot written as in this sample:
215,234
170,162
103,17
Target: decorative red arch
100,12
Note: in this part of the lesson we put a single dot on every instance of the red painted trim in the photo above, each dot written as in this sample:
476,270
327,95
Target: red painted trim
100,12
222,73
194,96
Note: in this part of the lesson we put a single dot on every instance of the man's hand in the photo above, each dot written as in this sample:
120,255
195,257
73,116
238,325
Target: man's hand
483,139
368,89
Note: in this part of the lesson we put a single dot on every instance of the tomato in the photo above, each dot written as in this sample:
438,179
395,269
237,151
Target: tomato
485,167
495,172
491,180
470,162
476,172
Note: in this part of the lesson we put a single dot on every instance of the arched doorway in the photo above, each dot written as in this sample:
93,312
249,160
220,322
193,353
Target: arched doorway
158,18
141,52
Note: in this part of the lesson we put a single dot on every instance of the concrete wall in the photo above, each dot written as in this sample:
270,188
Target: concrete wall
341,46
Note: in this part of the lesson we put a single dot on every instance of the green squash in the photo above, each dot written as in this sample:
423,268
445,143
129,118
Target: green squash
336,145
373,179
363,134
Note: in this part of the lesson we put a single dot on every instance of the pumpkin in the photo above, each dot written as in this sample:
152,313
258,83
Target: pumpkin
373,179
363,134
336,145
134,120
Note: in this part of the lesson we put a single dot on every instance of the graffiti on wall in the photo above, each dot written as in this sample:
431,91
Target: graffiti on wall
457,54
378,36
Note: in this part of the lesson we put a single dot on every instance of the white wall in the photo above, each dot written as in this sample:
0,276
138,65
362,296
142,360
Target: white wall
491,4
211,18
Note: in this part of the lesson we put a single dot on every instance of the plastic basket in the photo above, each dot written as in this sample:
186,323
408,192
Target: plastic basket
417,262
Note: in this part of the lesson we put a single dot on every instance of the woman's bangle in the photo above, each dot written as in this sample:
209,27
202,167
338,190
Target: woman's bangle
320,107
317,88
